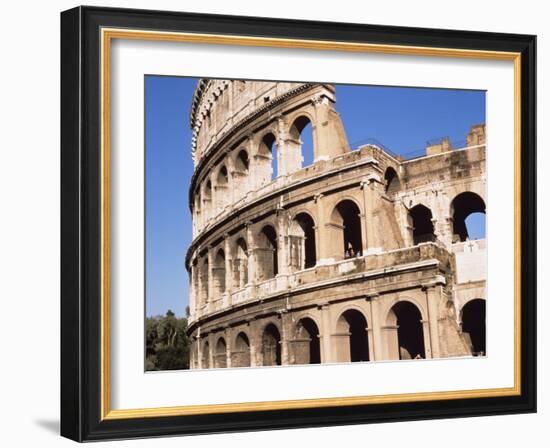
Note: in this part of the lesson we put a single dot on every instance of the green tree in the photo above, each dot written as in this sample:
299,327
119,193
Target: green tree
166,343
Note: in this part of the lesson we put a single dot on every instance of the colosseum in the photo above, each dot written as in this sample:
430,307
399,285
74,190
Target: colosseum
362,255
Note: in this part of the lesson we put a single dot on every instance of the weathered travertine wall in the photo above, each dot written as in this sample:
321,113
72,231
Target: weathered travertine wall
359,256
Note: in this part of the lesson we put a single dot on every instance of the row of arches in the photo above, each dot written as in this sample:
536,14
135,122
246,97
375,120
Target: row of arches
405,336
256,257
248,168
467,216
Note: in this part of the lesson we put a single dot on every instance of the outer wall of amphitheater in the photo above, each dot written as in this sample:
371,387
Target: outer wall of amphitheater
361,255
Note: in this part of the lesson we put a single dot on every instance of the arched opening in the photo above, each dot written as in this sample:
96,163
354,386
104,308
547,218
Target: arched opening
240,263
267,250
218,274
204,297
240,356
222,190
220,359
302,242
271,346
473,324
422,225
301,142
406,319
352,341
307,347
468,212
242,163
268,165
207,199
346,235
240,179
393,184
205,356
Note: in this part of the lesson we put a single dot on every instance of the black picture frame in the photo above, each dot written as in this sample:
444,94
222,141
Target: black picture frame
81,224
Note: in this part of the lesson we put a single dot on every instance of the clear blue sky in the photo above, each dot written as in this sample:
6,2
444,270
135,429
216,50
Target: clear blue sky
402,119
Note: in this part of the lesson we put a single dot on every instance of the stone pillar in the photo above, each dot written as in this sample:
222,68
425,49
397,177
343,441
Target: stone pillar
251,242
433,298
210,255
192,288
282,242
289,150
329,135
326,347
285,356
227,337
376,325
228,265
321,235
370,206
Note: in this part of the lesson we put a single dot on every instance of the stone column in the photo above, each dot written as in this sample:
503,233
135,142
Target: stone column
210,255
227,337
282,242
433,297
250,241
370,241
192,288
228,265
326,352
376,325
321,234
285,356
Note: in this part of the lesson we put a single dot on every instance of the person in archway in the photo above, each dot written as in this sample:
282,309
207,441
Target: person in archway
350,252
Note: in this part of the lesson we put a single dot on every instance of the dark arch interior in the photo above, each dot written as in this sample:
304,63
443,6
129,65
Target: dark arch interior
307,328
358,338
223,177
271,346
221,354
351,221
271,237
463,206
473,323
206,355
423,228
392,181
308,226
409,332
242,161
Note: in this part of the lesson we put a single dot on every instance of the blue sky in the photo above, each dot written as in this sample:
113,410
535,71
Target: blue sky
402,119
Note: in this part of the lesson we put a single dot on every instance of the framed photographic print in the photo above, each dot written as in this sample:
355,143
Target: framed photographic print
273,223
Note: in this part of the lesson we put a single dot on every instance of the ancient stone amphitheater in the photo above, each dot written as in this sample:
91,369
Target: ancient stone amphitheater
360,256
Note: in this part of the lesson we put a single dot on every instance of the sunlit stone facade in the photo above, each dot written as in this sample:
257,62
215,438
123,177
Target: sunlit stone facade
360,256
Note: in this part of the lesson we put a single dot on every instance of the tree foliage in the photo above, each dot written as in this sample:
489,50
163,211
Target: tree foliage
166,343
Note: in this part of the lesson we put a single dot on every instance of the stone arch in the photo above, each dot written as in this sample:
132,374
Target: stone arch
220,357
240,355
240,262
303,252
393,184
271,345
222,187
300,146
267,166
218,274
240,174
473,319
306,344
204,295
351,337
205,355
421,222
267,253
207,199
464,206
406,331
345,234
